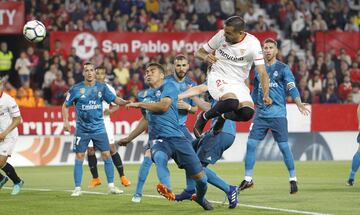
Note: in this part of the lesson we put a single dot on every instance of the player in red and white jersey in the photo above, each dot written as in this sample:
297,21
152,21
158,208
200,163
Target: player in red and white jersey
231,53
10,118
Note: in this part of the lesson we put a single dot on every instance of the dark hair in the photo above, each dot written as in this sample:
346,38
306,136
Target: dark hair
180,57
271,40
101,67
236,22
88,63
157,65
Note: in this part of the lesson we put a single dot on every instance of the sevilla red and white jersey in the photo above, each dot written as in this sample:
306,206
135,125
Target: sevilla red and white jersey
106,105
234,60
8,110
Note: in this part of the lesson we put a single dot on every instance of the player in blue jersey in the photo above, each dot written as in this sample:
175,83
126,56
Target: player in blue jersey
92,160
169,142
87,96
209,149
272,117
356,159
180,79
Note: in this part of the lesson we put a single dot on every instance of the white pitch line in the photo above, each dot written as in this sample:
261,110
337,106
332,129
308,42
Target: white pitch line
157,196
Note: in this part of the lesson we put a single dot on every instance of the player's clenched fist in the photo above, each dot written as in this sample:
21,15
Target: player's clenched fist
133,105
210,58
267,100
124,141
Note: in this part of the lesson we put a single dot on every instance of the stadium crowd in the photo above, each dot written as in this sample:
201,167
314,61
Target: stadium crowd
332,77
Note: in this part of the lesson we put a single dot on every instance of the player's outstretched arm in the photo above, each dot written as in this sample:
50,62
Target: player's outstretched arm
264,81
111,110
65,113
193,91
205,106
162,106
15,122
120,101
205,56
188,107
140,128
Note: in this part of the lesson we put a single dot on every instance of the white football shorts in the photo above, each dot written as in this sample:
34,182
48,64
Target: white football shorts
7,146
219,86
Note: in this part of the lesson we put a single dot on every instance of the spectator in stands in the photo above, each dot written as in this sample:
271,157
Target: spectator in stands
33,58
98,57
306,97
345,89
58,50
227,8
355,73
74,55
77,74
6,57
202,6
152,25
135,80
99,24
250,18
22,66
122,74
124,60
38,98
58,89
22,100
49,77
181,22
315,83
344,56
356,94
152,7
28,92
329,95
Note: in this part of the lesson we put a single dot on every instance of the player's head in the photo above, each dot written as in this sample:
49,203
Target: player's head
154,74
100,72
89,72
270,49
181,66
234,29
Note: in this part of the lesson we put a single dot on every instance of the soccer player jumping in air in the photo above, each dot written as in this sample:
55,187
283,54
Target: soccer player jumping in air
235,52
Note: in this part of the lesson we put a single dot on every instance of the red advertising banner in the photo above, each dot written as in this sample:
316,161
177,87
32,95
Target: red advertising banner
333,39
12,17
132,44
48,120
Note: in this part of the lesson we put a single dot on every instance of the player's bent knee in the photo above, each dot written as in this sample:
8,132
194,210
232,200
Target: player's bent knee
198,175
80,156
113,149
228,96
245,113
3,160
105,155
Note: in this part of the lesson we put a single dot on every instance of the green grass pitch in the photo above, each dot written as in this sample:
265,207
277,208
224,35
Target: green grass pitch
321,190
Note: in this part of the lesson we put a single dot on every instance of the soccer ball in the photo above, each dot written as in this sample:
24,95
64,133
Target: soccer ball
34,31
